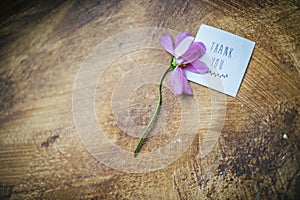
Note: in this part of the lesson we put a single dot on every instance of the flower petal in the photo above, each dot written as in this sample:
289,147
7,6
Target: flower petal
183,46
202,48
179,82
193,53
180,37
167,43
197,67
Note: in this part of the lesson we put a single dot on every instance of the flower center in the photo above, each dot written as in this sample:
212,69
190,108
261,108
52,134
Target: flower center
182,66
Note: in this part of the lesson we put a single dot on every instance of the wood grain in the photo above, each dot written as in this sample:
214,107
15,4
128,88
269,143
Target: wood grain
42,46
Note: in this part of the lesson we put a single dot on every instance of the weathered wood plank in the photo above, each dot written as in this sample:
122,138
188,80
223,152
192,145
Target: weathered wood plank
42,46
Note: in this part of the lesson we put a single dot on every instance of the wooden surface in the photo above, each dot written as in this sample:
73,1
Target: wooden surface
43,44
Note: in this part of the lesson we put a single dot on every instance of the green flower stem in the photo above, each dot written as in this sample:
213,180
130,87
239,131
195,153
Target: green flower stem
159,101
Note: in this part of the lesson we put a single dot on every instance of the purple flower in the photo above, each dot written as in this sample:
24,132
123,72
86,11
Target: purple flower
186,54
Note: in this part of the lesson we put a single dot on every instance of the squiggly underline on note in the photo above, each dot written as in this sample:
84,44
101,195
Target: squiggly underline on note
217,74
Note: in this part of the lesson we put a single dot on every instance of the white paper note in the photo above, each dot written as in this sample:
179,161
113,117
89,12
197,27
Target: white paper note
227,56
